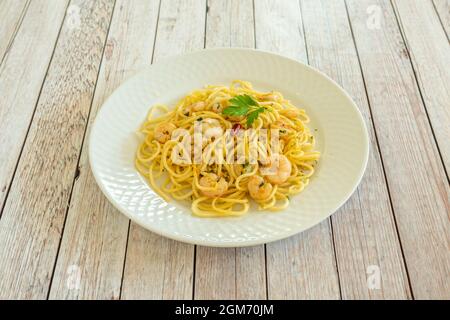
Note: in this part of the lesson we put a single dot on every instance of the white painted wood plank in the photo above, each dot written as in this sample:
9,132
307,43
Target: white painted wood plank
95,234
417,182
364,230
230,23
430,54
230,273
156,267
279,28
33,216
303,266
11,14
251,273
443,9
21,75
215,273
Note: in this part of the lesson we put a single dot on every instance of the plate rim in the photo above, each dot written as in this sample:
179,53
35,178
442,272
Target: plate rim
246,243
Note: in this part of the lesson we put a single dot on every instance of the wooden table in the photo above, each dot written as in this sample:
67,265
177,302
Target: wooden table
61,239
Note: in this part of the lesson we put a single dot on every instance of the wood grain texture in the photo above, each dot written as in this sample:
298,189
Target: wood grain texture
430,54
303,266
215,273
11,14
397,74
33,218
156,267
95,234
21,75
251,273
364,229
415,174
279,28
230,23
230,273
443,10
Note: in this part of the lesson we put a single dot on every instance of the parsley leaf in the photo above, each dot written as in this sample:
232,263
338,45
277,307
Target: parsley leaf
244,100
236,110
241,105
252,116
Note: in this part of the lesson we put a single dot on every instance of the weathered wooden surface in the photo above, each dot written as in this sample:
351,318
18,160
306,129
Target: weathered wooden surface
34,213
295,270
415,174
443,9
11,15
156,267
230,24
22,73
430,54
364,229
61,239
95,236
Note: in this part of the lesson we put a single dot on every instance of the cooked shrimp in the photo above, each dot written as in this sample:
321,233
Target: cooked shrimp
195,107
211,128
199,106
258,188
278,170
217,185
164,131
217,107
210,123
270,97
291,113
213,133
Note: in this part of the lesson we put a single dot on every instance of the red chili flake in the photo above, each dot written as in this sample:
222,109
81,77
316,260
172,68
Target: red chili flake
236,127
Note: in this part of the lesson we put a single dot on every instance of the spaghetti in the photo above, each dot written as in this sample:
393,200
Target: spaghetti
227,175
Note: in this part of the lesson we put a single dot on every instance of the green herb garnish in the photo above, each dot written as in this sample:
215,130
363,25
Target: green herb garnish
240,105
244,105
252,116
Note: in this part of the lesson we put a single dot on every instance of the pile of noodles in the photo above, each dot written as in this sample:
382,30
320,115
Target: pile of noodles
181,181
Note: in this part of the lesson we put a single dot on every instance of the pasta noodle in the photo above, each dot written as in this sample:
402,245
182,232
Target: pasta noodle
252,145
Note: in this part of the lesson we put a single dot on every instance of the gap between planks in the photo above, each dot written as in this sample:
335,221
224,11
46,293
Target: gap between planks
426,275
153,48
76,173
41,86
36,279
379,152
4,52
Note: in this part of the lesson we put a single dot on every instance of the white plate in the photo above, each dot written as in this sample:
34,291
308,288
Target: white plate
341,138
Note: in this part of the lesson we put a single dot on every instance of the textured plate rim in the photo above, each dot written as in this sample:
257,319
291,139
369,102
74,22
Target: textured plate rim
365,140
